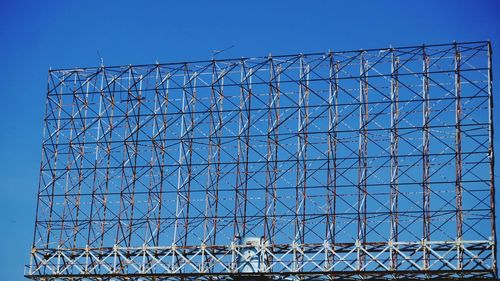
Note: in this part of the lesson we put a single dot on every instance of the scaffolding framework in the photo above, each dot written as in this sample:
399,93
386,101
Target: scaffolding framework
350,165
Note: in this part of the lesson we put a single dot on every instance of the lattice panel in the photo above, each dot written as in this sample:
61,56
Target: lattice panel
358,163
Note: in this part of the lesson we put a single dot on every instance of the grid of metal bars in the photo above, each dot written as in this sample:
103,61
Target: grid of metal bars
357,164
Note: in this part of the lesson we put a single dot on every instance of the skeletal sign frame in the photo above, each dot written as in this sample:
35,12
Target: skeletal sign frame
353,164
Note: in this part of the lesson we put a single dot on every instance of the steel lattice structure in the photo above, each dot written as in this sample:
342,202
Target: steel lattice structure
356,165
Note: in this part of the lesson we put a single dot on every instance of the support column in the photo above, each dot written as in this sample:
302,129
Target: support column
458,156
333,112
492,159
426,189
362,158
301,160
213,157
242,172
273,120
162,92
184,174
394,188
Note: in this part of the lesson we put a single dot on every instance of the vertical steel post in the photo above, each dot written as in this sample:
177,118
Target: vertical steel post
94,205
425,160
105,199
301,158
331,181
213,157
394,177
183,192
242,169
458,155
272,151
125,195
134,135
492,160
162,90
362,157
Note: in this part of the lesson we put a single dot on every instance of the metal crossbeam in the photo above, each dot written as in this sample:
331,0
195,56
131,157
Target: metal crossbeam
176,261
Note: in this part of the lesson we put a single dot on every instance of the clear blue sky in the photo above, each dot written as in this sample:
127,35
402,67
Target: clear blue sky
36,35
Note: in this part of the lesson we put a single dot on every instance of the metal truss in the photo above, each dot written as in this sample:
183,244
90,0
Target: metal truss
369,164
157,261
